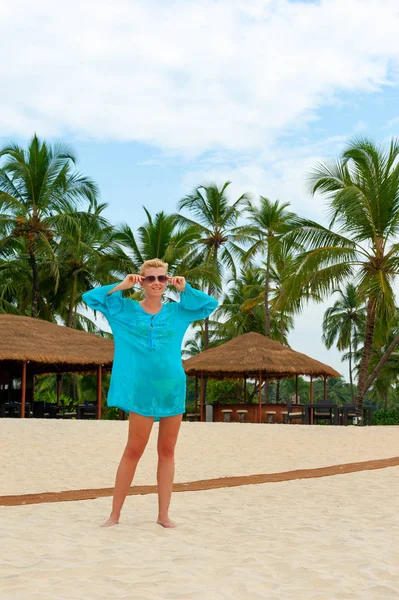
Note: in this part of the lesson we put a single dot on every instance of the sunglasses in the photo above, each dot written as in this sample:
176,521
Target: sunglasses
151,278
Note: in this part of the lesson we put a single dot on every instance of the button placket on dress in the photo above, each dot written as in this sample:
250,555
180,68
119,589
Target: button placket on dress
152,342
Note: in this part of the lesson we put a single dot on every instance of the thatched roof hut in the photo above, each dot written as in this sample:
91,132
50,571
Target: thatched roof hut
31,347
51,348
252,354
255,356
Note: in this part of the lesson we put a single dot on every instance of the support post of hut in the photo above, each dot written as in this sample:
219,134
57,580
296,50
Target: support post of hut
296,389
260,397
325,387
59,381
196,395
202,396
10,386
23,390
245,389
99,381
311,397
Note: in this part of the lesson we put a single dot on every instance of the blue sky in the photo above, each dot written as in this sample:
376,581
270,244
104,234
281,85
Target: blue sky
156,98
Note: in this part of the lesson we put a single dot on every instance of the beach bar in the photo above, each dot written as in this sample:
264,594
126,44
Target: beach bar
31,347
253,356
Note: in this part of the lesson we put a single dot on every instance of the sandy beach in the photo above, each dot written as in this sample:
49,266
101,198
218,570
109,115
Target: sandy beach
255,541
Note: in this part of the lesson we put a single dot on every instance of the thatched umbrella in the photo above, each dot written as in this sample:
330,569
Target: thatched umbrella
41,347
255,356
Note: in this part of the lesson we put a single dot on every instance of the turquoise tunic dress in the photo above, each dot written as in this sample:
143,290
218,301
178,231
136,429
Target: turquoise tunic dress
147,374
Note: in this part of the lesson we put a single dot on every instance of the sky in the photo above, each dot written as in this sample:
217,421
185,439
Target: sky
158,97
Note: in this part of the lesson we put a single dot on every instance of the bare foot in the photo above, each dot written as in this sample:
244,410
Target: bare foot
110,521
166,523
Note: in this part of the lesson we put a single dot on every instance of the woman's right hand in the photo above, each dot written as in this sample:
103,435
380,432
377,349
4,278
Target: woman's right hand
131,280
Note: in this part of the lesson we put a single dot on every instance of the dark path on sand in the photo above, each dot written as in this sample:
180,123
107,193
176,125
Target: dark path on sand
204,484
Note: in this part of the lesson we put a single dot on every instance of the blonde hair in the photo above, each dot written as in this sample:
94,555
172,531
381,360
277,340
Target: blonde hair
156,263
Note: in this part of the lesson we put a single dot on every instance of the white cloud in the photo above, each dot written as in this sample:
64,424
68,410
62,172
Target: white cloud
279,173
360,127
151,162
392,123
187,77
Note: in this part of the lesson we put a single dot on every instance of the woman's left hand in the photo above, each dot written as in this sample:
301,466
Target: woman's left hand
178,282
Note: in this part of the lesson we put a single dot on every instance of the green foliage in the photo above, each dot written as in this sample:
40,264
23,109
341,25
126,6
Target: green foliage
213,220
287,390
226,391
190,390
344,320
267,223
110,413
39,195
386,417
232,317
337,390
50,397
76,389
161,237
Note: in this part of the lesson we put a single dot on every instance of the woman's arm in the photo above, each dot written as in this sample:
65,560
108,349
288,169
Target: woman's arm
195,305
108,299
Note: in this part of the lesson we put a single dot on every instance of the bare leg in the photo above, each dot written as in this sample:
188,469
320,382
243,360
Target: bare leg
167,436
139,432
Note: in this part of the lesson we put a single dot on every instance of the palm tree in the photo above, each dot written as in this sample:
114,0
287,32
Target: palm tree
235,314
15,285
193,346
82,260
385,381
342,322
288,389
160,237
38,186
214,221
282,310
196,344
337,390
267,223
362,189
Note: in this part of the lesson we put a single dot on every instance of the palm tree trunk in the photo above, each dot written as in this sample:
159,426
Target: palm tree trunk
266,294
206,333
282,341
367,349
206,343
382,362
350,371
71,303
267,317
35,284
206,324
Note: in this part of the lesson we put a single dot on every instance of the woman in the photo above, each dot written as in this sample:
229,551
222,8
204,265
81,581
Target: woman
148,380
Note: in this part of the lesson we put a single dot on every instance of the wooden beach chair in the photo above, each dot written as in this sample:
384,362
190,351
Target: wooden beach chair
293,413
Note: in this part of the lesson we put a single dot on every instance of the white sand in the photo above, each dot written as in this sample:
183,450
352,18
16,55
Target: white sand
243,543
50,455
